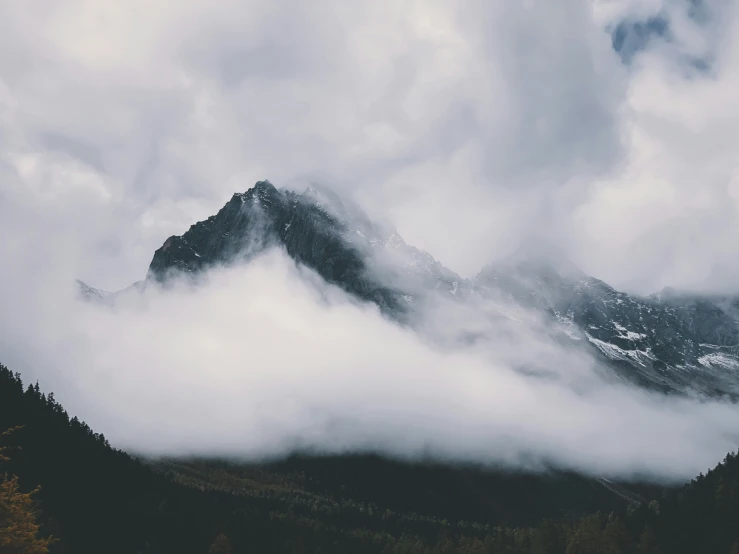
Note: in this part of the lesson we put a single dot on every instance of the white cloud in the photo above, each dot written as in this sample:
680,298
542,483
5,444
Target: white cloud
668,218
437,105
471,126
262,359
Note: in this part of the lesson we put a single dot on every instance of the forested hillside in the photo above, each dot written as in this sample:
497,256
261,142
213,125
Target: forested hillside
93,498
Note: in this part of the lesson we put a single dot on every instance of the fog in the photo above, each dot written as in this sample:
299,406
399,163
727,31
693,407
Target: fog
471,127
259,360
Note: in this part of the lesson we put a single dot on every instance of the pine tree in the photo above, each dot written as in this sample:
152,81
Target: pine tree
587,536
647,542
220,546
615,536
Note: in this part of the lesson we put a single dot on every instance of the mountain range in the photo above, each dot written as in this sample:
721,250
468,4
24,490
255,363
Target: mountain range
672,342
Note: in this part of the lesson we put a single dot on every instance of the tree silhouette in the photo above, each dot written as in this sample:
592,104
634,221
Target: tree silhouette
220,546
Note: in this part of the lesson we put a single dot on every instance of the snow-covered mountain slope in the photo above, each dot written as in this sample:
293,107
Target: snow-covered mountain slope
682,344
389,258
92,294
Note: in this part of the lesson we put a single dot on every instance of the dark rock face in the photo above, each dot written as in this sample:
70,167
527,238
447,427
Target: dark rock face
681,343
311,233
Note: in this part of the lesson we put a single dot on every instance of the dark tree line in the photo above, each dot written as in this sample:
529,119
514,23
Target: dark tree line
94,498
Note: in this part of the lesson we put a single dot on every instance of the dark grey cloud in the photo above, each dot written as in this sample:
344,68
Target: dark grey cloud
630,37
638,32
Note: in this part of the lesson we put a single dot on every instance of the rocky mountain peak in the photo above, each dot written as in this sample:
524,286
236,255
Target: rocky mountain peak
311,227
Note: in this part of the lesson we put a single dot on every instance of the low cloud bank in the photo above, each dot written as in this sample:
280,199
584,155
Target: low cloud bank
260,360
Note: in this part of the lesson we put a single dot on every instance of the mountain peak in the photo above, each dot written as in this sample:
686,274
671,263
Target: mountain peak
330,202
264,187
88,292
262,190
310,228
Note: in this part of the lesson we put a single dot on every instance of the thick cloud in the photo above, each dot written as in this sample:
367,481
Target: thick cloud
263,359
471,126
669,215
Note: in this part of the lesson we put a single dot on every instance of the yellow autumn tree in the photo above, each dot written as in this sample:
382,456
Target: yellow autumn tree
19,530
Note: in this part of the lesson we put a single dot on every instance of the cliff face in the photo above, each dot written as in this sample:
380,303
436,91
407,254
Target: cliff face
311,232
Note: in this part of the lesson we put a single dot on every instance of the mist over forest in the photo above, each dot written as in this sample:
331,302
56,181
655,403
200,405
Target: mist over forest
381,277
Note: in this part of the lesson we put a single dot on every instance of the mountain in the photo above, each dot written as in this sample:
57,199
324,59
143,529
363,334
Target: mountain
669,342
100,296
680,343
91,293
318,230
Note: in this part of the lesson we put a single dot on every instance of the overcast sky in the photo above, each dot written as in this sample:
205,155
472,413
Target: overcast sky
609,126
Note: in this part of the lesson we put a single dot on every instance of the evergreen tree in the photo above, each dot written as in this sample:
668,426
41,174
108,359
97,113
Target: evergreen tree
221,545
647,542
587,536
615,536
